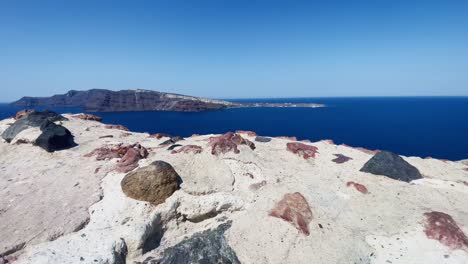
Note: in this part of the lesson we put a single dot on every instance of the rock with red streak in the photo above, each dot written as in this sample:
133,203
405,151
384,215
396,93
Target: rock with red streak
188,149
129,161
129,155
441,226
340,158
301,149
248,133
294,209
88,117
228,142
23,113
120,127
361,188
159,135
288,138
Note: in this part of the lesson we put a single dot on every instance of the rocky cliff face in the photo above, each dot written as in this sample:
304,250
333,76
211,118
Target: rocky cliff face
99,100
233,198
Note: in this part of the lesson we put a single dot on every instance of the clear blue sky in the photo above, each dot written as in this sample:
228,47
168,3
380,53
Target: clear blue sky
235,49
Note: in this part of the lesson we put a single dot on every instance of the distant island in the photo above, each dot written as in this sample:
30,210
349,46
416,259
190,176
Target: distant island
101,100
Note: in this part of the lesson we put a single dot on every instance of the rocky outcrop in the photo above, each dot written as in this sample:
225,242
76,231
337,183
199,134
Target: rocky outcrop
159,135
171,141
262,139
391,165
441,226
54,137
153,183
23,113
88,117
33,119
301,149
188,149
248,133
119,127
228,142
293,208
129,155
340,158
206,247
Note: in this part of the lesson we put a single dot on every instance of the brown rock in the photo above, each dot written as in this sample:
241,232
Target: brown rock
441,226
153,183
188,149
22,113
116,127
88,117
228,142
340,158
294,209
361,188
306,151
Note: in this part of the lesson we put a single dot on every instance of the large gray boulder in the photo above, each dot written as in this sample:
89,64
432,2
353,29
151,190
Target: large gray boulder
153,183
202,248
391,165
34,119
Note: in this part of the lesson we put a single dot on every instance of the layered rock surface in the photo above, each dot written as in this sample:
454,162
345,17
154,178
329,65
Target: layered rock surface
239,202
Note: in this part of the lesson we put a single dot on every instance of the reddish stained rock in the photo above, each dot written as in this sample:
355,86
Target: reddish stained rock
361,188
465,169
228,142
441,226
248,133
288,138
294,209
306,151
340,158
22,113
88,117
159,135
188,149
117,127
129,154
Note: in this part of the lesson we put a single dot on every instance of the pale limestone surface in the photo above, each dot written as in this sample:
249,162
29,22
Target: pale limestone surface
40,201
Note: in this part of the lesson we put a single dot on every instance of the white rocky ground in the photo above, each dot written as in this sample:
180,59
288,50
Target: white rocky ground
51,209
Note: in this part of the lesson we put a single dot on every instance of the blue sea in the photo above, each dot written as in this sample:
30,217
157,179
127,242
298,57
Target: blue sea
410,126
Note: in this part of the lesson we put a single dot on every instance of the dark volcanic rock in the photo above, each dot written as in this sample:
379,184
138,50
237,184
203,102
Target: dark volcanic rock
340,158
172,147
153,183
202,248
391,165
54,137
33,119
294,209
171,141
262,139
